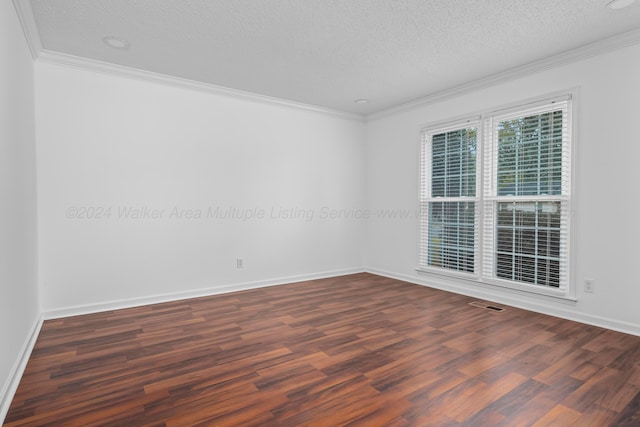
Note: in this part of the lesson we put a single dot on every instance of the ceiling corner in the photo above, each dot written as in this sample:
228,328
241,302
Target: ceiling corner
29,26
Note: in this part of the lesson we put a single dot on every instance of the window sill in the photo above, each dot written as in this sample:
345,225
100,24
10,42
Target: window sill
501,285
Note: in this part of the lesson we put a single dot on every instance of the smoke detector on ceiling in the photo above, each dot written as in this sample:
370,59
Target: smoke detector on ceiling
116,42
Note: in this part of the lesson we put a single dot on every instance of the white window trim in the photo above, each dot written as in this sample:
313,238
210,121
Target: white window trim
426,198
568,293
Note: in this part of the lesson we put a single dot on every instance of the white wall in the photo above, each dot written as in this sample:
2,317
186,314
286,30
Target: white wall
109,142
18,282
606,211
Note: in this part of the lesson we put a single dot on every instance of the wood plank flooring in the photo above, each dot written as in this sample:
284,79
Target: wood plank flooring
358,350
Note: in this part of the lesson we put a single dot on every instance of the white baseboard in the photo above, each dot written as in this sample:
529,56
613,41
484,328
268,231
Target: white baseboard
537,304
15,375
175,296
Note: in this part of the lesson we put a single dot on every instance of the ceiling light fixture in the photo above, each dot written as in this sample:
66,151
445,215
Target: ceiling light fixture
619,4
116,42
361,101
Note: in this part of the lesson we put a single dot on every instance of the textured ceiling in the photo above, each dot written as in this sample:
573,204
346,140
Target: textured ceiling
328,53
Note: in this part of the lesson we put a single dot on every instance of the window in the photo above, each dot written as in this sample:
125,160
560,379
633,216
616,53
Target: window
450,197
495,197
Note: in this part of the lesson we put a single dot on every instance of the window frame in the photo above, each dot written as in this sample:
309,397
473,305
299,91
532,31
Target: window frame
486,170
426,198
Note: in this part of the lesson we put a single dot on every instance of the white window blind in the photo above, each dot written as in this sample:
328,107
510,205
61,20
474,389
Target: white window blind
508,221
449,199
526,205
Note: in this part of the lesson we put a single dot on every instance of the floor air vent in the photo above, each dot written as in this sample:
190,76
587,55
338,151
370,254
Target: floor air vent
486,306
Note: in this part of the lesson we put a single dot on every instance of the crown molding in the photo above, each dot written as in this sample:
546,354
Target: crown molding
30,29
599,47
57,58
29,26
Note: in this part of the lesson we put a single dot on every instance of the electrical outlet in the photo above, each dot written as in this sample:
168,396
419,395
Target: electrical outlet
589,285
239,263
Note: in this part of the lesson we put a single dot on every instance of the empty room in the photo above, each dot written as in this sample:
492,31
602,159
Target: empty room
319,213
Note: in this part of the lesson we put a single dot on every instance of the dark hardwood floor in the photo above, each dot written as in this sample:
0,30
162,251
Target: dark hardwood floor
354,350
